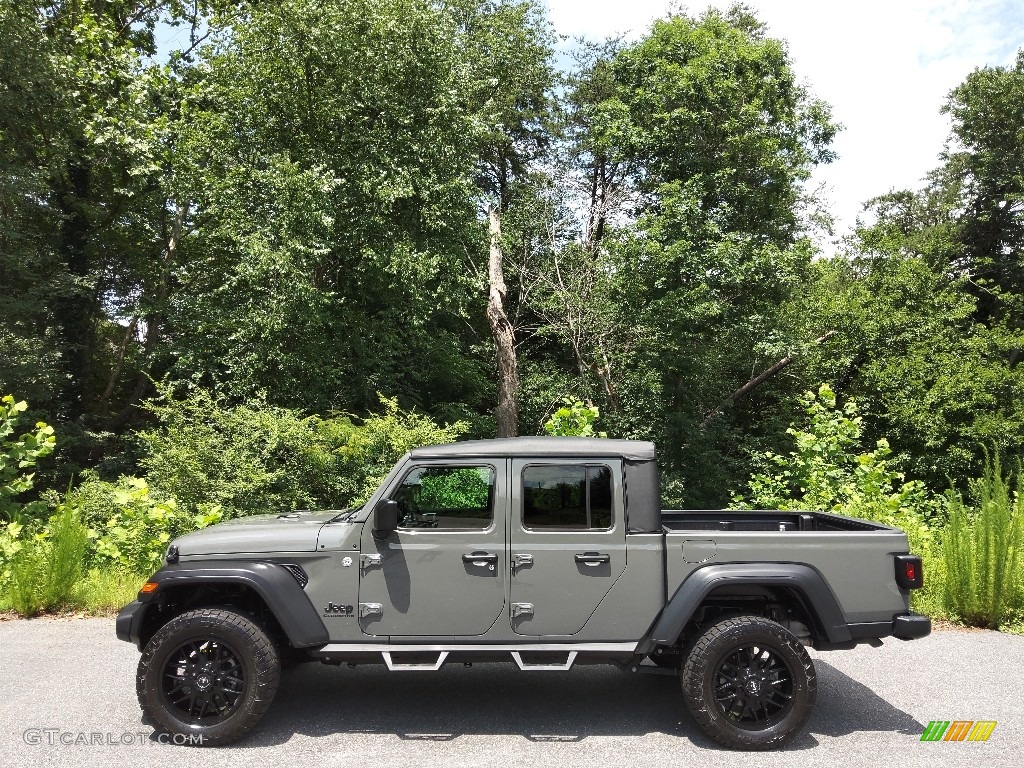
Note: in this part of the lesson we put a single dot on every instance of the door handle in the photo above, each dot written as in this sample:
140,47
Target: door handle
593,558
521,561
480,558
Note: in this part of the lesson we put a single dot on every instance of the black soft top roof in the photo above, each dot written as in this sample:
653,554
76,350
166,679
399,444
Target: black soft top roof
633,450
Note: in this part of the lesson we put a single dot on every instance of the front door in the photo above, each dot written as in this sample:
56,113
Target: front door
442,573
568,537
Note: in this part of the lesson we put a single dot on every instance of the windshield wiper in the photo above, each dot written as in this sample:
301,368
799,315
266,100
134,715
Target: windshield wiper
344,515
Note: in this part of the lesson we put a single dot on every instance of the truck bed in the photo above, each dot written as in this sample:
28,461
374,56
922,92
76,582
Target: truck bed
676,520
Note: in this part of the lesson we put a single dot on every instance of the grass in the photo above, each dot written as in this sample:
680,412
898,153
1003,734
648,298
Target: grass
45,571
103,592
95,593
981,545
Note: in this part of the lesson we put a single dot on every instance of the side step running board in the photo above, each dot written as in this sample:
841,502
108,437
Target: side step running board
517,650
396,667
526,667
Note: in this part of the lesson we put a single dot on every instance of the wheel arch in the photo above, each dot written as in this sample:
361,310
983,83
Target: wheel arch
266,590
800,582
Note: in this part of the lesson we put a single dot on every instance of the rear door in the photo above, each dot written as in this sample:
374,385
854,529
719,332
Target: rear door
568,542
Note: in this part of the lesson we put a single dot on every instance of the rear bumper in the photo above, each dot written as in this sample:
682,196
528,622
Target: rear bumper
907,626
911,627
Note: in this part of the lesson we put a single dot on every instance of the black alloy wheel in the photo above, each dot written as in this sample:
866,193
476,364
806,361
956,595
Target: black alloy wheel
203,681
207,676
753,686
749,683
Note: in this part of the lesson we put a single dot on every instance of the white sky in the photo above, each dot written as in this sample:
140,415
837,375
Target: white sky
885,66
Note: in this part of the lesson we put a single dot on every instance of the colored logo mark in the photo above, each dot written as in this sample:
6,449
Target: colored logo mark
958,730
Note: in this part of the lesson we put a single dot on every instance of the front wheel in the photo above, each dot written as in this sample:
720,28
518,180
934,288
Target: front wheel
749,683
207,677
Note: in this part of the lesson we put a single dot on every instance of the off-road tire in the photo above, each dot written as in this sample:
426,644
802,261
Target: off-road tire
214,647
716,681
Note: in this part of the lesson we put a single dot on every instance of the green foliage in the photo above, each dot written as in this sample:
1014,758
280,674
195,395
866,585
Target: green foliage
911,351
983,183
103,591
372,448
130,525
982,551
828,470
574,419
81,151
19,453
44,572
334,264
67,541
929,295
248,459
21,592
712,105
468,488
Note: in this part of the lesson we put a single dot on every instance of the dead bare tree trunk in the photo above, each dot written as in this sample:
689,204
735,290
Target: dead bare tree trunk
507,412
129,335
755,382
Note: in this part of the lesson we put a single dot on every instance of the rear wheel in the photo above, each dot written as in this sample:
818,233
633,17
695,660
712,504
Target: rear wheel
207,676
749,683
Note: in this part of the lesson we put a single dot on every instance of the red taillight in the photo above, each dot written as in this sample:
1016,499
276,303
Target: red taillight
909,572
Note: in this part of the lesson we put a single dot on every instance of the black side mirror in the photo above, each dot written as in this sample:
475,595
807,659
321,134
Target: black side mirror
385,518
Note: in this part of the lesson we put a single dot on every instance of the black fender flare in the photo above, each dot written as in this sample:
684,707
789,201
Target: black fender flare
274,583
798,577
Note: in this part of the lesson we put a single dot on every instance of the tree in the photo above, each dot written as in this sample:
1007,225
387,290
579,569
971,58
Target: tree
935,381
986,170
84,206
927,297
510,46
332,152
717,136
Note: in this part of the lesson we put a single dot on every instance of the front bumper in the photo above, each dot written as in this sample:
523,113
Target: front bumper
128,623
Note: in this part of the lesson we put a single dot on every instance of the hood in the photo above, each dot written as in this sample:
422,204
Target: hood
289,532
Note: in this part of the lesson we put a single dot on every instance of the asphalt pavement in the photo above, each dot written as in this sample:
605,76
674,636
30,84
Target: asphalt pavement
67,698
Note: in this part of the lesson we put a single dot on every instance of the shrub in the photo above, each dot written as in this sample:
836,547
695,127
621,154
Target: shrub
981,548
131,525
18,454
46,568
251,459
574,419
829,471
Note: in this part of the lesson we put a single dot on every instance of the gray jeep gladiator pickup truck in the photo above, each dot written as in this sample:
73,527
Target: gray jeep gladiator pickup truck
553,552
